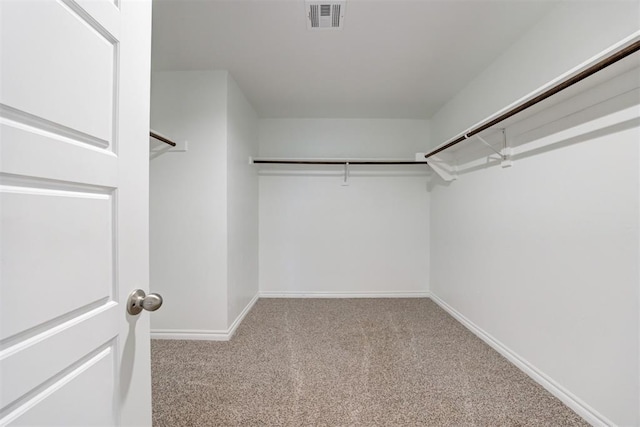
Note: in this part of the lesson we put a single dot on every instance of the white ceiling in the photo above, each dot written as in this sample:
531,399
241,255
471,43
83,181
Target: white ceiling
393,59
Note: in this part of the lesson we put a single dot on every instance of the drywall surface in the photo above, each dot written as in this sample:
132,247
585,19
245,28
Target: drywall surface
343,138
570,34
318,237
188,201
543,257
242,201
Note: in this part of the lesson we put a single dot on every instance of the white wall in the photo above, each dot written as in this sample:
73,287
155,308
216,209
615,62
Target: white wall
543,257
188,201
319,237
571,33
242,197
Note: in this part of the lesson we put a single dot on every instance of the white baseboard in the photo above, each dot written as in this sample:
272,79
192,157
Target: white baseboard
565,396
189,334
592,416
203,334
232,329
382,294
226,335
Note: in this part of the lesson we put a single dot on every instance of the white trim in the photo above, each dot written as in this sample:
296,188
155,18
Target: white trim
339,160
189,334
232,329
204,334
226,335
305,170
381,294
592,416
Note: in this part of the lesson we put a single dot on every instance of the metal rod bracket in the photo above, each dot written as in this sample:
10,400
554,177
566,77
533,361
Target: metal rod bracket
345,181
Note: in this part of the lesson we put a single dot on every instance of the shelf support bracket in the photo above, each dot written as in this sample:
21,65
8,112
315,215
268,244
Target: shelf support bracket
504,153
443,173
481,139
440,167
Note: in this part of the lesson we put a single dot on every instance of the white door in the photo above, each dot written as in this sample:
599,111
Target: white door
74,122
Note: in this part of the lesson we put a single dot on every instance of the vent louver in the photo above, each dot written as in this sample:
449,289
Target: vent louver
325,14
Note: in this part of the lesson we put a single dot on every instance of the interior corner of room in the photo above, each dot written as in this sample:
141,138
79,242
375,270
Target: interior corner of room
526,232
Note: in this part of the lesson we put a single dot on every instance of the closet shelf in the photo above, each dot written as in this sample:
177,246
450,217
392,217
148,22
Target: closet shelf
601,61
338,161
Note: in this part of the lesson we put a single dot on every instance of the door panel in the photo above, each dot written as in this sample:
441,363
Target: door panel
70,246
74,120
70,390
59,343
64,159
56,51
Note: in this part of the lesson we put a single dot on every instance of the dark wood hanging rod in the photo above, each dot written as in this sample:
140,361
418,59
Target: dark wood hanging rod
162,138
340,162
609,60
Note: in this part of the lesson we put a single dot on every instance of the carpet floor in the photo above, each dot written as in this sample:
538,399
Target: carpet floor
337,362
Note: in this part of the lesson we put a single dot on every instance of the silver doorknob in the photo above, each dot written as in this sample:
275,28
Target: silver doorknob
138,301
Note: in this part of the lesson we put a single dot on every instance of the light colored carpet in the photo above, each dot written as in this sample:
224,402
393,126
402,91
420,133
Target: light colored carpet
336,362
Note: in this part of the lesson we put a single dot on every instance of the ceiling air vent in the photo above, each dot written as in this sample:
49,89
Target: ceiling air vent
325,14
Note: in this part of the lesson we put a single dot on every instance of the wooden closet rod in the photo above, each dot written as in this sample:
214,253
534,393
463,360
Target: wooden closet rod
162,138
609,60
340,162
